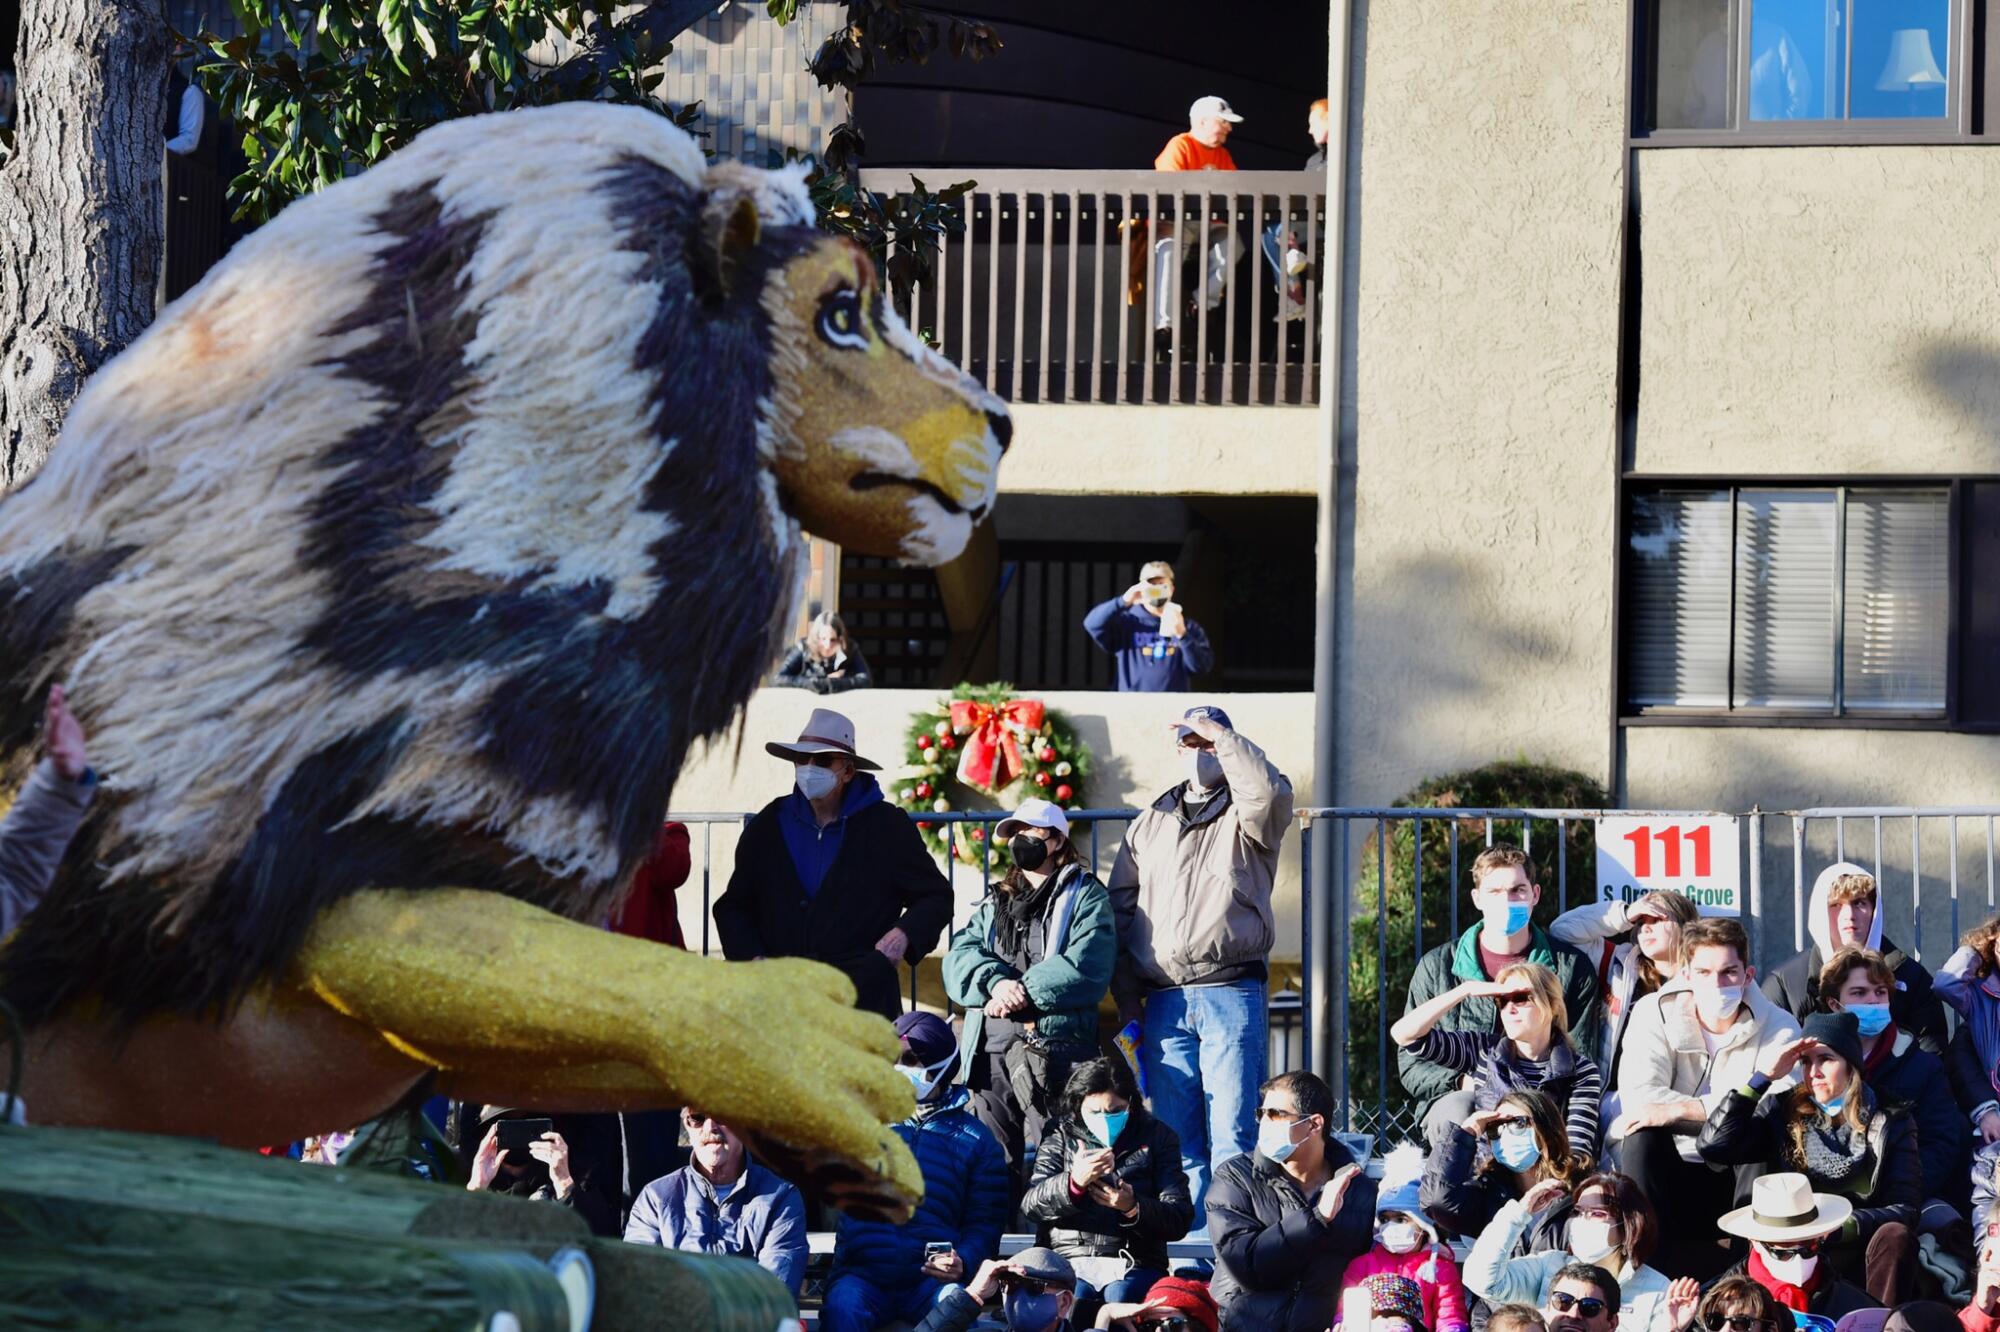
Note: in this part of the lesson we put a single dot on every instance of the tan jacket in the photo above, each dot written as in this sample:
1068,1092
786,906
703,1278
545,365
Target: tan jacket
1193,895
1665,1058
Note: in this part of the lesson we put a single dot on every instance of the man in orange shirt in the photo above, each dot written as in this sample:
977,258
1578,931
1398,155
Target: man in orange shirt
1199,149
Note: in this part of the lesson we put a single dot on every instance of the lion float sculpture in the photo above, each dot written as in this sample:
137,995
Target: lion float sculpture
393,572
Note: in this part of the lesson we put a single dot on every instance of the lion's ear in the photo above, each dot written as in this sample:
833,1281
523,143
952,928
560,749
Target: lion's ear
730,230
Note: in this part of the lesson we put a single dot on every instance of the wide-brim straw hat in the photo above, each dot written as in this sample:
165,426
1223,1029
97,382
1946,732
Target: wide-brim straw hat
1784,1210
825,732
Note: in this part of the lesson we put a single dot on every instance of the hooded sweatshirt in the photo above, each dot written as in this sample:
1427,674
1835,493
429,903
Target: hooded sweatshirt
1794,984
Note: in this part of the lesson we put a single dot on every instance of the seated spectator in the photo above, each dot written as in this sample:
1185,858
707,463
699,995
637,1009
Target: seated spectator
1289,1217
1902,1074
1846,912
1610,1224
1158,648
1530,1052
1582,1298
1983,1314
1515,1318
45,814
1685,1047
1407,1244
1109,1192
1830,1128
1494,1156
539,1172
1386,1302
1787,1224
1916,1316
723,1202
1735,1304
1170,1299
1037,1289
1970,982
881,1271
826,660
1504,892
1030,969
1985,1187
1638,949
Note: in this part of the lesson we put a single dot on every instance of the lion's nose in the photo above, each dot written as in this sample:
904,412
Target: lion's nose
1002,426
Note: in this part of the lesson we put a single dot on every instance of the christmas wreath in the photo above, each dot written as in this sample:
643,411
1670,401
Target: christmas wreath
983,748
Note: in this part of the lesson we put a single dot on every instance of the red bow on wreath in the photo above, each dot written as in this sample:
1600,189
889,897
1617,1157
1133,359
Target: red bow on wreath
992,758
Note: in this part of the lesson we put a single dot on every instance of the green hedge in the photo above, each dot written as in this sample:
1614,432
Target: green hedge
1514,784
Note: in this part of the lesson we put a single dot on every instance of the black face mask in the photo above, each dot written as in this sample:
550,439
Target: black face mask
1030,853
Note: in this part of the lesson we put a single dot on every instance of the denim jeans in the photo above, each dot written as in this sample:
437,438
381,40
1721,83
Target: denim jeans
1204,1052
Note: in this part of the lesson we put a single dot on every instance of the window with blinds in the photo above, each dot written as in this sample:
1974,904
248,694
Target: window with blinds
1818,601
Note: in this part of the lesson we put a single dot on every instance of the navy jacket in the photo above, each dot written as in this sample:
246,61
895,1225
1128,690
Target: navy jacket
1149,662
966,1201
1278,1266
763,1219
1913,1079
877,875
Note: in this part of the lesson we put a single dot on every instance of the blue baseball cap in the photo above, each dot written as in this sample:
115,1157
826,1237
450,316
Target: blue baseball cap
1207,712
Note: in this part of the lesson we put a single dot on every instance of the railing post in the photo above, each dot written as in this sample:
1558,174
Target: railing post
1754,923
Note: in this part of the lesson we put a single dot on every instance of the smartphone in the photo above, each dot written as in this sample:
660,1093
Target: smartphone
516,1134
937,1249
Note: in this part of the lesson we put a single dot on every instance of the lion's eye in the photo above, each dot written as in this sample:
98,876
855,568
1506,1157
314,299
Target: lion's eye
840,320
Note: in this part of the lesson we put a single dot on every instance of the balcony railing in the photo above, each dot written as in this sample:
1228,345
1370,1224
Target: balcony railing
1131,286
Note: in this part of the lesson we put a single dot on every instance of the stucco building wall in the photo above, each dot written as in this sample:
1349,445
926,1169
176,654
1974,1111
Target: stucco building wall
1477,611
1819,311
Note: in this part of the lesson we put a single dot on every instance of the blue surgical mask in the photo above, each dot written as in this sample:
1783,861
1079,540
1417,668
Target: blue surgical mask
926,1081
1275,1140
1030,1312
1832,1107
1107,1126
1517,1149
1511,918
1871,1017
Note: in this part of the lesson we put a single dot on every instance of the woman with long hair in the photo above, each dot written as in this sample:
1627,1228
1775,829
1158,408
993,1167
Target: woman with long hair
1494,1156
1830,1128
1637,946
826,660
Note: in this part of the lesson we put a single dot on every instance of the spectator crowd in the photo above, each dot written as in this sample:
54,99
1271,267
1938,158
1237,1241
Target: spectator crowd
1622,1124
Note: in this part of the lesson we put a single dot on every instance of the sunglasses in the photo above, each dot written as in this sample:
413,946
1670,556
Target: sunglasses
1520,1124
1803,1249
1175,1323
1518,999
1272,1114
1588,1305
1030,1284
822,760
1716,1322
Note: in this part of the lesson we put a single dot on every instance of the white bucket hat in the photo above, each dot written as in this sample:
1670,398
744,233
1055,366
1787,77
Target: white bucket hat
825,732
1784,1210
1033,813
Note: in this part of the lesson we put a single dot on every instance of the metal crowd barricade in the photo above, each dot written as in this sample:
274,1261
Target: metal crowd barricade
1950,849
1330,906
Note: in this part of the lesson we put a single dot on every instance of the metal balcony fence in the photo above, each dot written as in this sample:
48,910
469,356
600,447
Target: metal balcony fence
1131,286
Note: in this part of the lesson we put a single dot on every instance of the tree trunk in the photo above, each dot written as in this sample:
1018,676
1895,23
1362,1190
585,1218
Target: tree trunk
81,215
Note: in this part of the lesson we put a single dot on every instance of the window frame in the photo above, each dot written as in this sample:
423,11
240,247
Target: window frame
1957,606
1969,94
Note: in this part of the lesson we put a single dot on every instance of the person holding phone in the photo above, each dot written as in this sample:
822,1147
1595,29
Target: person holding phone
1159,649
521,1153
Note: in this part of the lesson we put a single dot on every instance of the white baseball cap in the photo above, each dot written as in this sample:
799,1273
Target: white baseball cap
1211,106
1035,813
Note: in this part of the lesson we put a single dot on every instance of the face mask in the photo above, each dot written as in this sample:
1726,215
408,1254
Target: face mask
1029,1312
1831,1107
1030,853
1275,1141
1204,770
1399,1236
1517,1149
926,1080
816,783
1590,1240
1872,1017
1792,1271
1718,1004
1508,917
1106,1127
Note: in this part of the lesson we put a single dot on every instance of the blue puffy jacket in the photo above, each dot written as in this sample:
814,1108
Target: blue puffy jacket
965,1201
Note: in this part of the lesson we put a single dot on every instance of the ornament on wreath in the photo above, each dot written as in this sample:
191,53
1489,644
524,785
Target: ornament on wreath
1006,750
